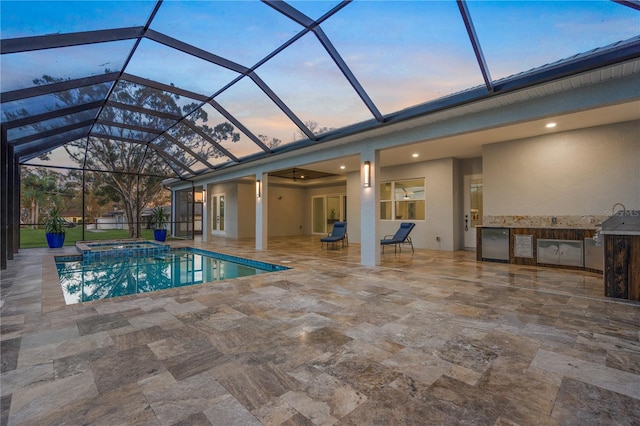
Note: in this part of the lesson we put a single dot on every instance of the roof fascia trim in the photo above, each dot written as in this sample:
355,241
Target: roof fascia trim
620,52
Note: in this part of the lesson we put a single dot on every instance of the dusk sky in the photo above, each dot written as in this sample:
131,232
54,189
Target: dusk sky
402,52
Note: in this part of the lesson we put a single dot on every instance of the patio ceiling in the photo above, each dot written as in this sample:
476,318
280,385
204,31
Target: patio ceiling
203,85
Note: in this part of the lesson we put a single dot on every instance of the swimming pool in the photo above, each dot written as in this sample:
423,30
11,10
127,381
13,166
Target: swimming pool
84,280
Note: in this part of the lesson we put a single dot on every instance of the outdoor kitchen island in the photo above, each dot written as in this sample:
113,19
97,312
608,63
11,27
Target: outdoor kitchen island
562,247
621,238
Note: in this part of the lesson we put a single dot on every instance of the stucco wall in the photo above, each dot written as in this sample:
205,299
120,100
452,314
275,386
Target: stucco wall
581,172
353,206
286,210
246,210
471,166
289,209
439,222
458,206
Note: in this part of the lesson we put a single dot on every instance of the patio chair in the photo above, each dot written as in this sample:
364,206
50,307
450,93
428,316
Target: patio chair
400,237
338,233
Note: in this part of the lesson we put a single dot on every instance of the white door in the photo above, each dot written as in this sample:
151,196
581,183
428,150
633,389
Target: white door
472,209
217,214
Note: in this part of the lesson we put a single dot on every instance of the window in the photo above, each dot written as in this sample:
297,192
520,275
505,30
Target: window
402,200
475,188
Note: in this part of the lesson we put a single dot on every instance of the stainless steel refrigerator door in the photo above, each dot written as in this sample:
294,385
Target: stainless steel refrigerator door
495,243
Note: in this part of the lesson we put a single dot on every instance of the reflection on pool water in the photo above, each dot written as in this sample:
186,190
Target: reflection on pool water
84,280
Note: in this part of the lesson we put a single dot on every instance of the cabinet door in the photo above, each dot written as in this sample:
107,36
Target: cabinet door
617,252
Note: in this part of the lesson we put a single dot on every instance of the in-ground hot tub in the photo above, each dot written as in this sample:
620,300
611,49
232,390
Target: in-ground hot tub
95,250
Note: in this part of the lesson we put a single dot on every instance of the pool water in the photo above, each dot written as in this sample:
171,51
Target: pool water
84,280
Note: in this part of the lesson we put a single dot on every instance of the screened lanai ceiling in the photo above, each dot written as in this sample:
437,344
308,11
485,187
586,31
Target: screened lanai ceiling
180,88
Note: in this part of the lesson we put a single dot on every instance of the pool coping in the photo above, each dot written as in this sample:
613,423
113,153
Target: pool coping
52,296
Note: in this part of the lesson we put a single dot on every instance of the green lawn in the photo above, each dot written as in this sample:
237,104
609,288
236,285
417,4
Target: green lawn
31,238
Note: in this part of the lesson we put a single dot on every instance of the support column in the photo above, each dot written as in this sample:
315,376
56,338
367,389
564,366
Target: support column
174,212
4,199
369,208
84,204
205,213
13,204
262,210
17,182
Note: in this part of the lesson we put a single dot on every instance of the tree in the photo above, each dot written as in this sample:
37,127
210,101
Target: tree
120,183
42,188
273,143
131,174
315,129
221,132
128,174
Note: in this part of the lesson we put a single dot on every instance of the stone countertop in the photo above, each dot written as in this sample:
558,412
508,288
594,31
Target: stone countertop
569,222
590,227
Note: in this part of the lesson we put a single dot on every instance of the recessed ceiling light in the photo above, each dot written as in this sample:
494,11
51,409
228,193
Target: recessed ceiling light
342,167
550,125
415,155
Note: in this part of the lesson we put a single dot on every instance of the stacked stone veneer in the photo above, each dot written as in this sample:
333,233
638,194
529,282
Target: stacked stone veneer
581,222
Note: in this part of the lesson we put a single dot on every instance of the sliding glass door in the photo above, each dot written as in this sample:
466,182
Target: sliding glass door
326,210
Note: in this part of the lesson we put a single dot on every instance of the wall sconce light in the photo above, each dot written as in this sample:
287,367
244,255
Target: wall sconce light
258,188
367,174
204,196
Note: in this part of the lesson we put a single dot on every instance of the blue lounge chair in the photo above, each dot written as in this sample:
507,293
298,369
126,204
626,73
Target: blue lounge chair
400,237
338,233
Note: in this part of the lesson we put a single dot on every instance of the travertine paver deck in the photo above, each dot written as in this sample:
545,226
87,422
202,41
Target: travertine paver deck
426,338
